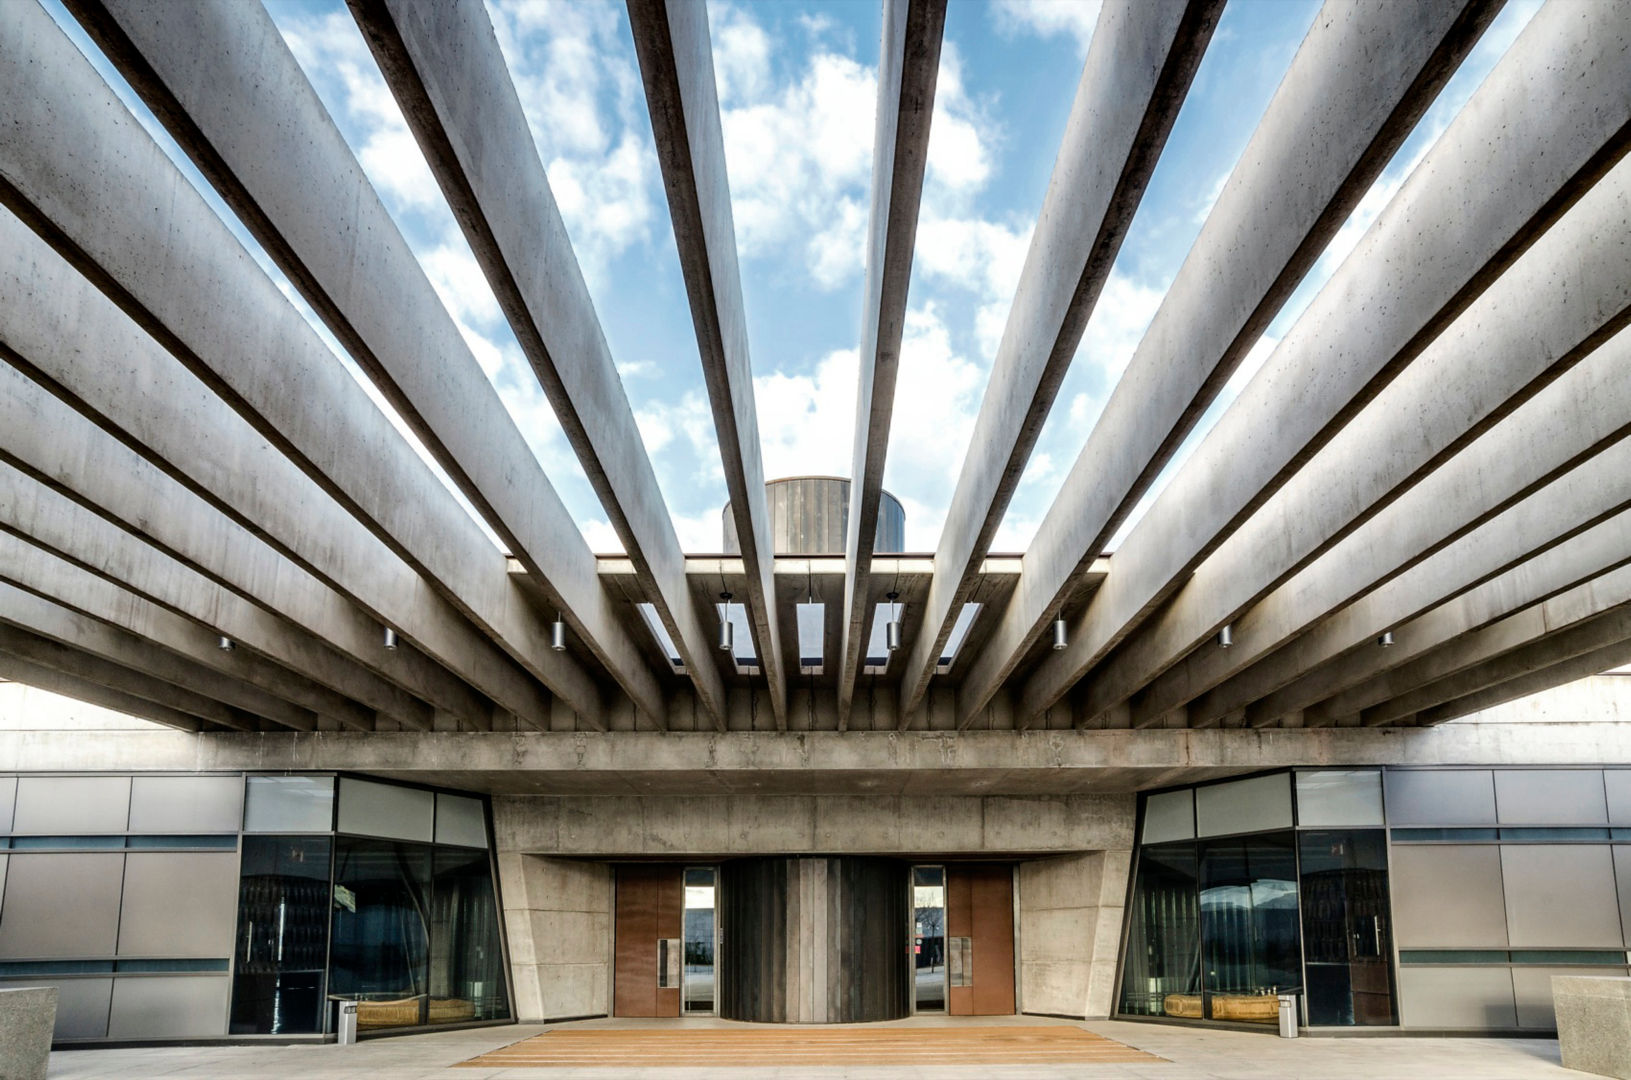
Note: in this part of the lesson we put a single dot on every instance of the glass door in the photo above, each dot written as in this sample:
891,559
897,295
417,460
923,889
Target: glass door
700,937
929,938
1249,945
1347,927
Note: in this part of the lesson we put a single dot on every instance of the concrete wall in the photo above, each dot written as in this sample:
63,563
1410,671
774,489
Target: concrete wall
1070,911
558,914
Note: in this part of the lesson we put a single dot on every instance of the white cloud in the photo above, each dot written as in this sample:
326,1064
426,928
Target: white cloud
807,422
1048,18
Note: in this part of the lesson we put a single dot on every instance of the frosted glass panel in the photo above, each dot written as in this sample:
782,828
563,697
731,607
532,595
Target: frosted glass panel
181,805
285,804
1618,785
71,805
1339,797
1440,797
399,813
8,797
1550,797
1169,816
1242,806
459,820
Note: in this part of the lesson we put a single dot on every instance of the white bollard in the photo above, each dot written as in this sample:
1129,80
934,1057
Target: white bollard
1288,1016
347,1028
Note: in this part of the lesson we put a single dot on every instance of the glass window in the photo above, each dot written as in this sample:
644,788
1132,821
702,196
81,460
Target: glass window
381,930
283,902
699,939
1161,975
289,804
466,956
1249,926
460,820
929,937
387,810
1347,927
1169,816
1242,806
1333,797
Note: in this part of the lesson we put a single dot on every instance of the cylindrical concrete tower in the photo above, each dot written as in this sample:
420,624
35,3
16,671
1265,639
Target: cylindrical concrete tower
809,516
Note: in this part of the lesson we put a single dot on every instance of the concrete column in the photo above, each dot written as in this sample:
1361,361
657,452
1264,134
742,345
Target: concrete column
558,913
1070,913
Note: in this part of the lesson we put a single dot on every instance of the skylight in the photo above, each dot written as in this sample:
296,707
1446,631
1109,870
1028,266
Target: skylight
959,633
812,623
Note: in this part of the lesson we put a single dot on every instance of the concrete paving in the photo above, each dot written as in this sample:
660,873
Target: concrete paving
1187,1053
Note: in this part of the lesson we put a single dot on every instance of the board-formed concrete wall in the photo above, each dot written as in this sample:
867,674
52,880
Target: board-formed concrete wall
1070,912
558,913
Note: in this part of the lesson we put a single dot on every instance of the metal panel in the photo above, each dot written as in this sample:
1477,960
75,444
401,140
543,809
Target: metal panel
1617,783
1561,896
289,804
82,1005
1475,998
400,813
70,805
1440,797
186,804
1532,987
61,905
1169,816
8,798
1339,797
1448,896
460,820
1550,797
1622,874
179,904
3,858
1241,806
168,1007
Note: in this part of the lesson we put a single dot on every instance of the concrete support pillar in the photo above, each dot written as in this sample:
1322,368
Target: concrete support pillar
558,913
1070,911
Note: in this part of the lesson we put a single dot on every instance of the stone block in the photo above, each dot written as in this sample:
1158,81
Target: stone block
1594,1023
27,1017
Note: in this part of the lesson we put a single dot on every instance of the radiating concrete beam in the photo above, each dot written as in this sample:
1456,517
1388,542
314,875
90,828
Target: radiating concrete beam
908,66
1143,55
1359,82
81,689
677,67
1550,120
45,619
1533,682
227,87
73,164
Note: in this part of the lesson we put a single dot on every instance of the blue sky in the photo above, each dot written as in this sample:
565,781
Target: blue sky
797,94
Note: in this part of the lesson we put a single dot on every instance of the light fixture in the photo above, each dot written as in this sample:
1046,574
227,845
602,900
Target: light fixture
1061,635
390,639
1226,636
226,644
727,632
1385,640
557,634
891,632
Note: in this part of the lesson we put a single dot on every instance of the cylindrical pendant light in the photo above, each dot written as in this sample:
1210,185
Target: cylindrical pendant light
226,644
390,638
1385,640
891,632
1061,634
727,631
1226,636
557,634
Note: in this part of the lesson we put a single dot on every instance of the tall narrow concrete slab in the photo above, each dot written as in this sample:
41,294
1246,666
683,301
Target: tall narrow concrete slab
1359,82
1143,55
908,67
677,67
74,164
230,91
80,689
1502,173
44,619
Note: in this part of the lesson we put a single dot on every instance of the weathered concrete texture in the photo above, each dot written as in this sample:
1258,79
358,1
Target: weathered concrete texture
90,692
619,826
677,68
1070,913
1537,672
1360,79
1594,1024
1138,70
1465,213
558,913
26,1019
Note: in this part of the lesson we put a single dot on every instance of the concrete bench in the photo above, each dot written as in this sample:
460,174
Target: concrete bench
27,1017
1594,1023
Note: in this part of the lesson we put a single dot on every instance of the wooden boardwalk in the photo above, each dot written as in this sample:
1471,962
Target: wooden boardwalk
748,1046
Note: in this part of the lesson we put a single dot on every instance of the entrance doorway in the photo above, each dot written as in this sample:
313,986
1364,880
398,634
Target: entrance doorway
928,939
648,928
980,939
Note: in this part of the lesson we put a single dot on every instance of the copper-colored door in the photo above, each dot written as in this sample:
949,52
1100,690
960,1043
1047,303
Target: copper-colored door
650,914
980,939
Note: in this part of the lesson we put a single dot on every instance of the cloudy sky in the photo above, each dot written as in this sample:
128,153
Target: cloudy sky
797,90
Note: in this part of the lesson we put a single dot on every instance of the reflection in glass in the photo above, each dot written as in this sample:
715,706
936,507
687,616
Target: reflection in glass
381,930
929,937
1249,927
277,980
1162,972
1347,932
699,939
466,959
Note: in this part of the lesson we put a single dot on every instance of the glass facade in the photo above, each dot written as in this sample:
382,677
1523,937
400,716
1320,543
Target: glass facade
699,939
929,938
282,949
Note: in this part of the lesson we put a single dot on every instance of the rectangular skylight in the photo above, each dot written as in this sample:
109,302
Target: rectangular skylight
648,612
959,633
812,623
877,645
747,661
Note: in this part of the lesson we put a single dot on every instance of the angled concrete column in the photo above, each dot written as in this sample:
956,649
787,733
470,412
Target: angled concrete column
178,271
677,66
80,689
1359,82
45,619
1532,682
908,66
235,98
1138,70
1549,122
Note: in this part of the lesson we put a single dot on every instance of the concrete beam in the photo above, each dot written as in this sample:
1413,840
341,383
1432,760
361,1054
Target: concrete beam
73,163
677,66
80,689
42,574
69,629
908,67
1138,70
1359,82
1465,214
1533,682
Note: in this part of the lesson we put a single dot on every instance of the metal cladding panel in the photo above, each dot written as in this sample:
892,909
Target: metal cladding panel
1448,997
63,905
1617,784
168,1007
8,799
1561,896
1448,896
1550,797
186,804
72,805
82,1005
179,904
1622,875
1440,797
